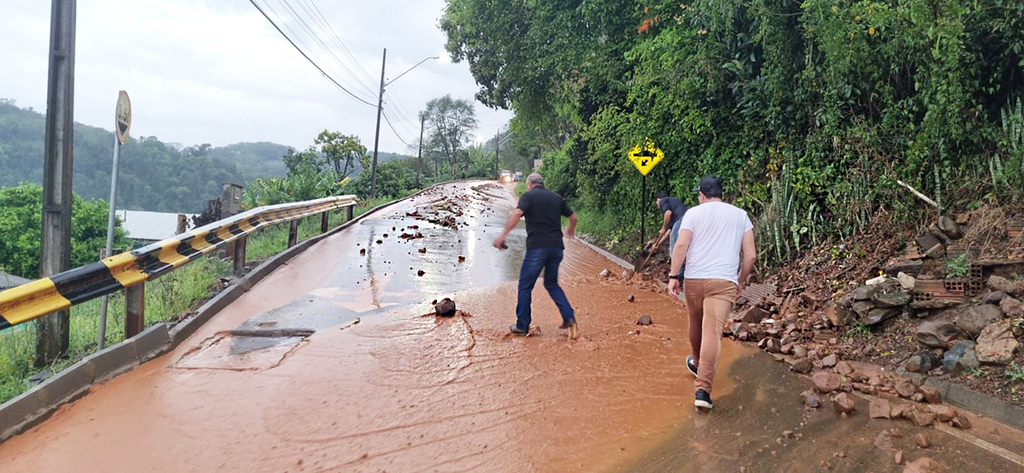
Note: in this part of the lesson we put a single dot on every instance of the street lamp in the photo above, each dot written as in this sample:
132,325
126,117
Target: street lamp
380,109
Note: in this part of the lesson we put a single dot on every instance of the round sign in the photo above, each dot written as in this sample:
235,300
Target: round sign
123,117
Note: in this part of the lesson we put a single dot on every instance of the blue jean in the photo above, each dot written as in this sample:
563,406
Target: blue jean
674,235
537,259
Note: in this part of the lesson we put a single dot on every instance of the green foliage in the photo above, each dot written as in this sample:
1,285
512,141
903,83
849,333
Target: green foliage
957,267
451,123
858,331
809,111
338,149
978,372
21,224
1015,373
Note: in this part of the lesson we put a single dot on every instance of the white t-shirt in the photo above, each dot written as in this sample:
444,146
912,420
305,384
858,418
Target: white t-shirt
714,251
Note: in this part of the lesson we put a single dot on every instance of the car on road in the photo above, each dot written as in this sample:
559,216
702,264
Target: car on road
518,176
506,176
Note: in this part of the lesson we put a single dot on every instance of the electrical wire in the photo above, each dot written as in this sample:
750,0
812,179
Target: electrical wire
303,53
395,131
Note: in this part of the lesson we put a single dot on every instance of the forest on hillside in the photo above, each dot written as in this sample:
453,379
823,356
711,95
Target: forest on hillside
810,111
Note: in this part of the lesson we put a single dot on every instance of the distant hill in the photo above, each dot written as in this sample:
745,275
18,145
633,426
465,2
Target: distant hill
154,175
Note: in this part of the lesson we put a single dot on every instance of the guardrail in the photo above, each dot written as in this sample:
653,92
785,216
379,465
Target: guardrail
129,271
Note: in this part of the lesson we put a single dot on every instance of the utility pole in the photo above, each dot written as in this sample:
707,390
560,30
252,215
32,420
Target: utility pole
496,144
376,136
419,154
52,331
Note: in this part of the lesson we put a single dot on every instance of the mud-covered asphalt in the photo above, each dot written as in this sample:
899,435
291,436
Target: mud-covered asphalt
332,363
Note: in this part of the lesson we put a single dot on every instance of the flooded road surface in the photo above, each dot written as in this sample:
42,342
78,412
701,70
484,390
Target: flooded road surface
329,364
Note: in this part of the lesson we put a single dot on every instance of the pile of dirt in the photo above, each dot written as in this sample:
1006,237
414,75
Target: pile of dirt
944,301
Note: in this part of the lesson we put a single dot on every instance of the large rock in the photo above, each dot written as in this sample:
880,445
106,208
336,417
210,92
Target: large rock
994,297
921,418
802,365
934,304
999,283
826,382
864,293
839,315
875,316
1013,308
961,357
943,412
923,465
830,361
890,299
931,395
905,388
938,333
996,344
861,308
752,315
843,403
922,362
975,318
880,409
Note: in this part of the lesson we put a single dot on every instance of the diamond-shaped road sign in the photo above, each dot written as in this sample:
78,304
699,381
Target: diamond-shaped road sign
645,156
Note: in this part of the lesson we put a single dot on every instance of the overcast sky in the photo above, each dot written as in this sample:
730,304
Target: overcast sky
216,71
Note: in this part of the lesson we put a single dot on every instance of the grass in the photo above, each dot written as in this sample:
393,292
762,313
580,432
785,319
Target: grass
167,298
859,330
957,267
1015,373
273,240
520,188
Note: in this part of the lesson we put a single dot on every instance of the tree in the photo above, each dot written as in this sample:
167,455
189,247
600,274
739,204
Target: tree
451,123
338,149
304,162
21,224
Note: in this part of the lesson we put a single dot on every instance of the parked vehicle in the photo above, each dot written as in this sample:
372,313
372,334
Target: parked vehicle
506,176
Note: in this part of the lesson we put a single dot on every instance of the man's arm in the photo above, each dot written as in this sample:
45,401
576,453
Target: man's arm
512,221
749,251
571,231
678,258
664,223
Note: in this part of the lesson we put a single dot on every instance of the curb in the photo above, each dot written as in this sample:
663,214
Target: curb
615,259
39,403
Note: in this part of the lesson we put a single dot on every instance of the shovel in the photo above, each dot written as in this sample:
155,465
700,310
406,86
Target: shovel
654,249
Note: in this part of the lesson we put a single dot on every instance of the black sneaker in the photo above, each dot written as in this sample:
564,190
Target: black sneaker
690,366
516,330
703,400
567,324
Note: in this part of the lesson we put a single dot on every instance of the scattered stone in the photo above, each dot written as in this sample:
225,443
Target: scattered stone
931,395
898,411
934,304
960,421
960,358
420,272
810,399
380,242
922,440
884,440
917,397
445,308
422,250
627,274
994,297
844,368
921,418
943,412
861,387
864,293
905,388
752,315
899,457
880,409
802,365
974,319
923,465
843,403
861,308
890,299
906,281
605,273
922,362
462,259
878,315
1012,308
771,345
826,382
999,283
799,351
631,298
362,252
937,333
830,361
644,320
996,344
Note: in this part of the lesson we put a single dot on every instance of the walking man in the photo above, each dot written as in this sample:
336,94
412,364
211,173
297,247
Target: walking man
673,210
711,237
543,210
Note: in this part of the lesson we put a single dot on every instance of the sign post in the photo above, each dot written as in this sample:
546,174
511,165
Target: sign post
645,156
122,124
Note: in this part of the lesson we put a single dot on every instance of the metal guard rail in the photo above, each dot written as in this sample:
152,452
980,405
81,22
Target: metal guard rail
60,291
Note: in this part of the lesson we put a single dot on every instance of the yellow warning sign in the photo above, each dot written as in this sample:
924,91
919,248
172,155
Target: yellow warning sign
645,156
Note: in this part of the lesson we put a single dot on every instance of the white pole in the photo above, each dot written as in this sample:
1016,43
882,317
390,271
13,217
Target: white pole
110,234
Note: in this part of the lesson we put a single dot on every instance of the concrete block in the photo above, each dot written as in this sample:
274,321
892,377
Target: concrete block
68,384
983,404
17,413
152,342
114,360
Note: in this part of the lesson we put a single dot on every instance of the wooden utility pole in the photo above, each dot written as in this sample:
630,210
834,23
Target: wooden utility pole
376,135
419,154
52,331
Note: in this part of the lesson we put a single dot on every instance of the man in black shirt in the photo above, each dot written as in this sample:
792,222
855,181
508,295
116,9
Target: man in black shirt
673,210
543,210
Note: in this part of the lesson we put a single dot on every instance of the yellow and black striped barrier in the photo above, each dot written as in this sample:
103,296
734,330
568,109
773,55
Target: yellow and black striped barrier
60,291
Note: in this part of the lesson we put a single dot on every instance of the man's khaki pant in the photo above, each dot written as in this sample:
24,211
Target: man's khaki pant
708,302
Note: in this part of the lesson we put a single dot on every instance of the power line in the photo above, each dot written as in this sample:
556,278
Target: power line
297,48
395,131
340,43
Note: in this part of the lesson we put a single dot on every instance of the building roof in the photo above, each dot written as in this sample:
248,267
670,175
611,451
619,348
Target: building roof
8,281
151,226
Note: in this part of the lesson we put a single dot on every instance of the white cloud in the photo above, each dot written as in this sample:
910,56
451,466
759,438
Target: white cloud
208,71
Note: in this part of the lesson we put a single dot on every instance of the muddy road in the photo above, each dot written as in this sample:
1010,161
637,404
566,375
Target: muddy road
333,363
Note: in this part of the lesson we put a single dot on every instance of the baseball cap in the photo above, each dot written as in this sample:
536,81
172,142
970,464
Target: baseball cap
710,186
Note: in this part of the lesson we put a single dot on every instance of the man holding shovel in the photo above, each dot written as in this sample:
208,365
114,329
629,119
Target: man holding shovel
672,210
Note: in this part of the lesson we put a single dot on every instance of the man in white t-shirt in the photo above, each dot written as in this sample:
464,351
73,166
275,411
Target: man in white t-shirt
711,237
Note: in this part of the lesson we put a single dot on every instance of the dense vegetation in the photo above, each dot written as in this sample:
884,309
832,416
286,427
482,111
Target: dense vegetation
809,110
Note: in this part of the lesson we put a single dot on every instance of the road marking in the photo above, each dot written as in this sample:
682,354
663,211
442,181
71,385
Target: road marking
992,448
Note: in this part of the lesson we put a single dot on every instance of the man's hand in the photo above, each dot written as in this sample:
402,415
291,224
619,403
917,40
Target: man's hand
673,286
739,289
661,233
570,233
499,243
